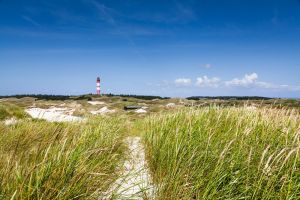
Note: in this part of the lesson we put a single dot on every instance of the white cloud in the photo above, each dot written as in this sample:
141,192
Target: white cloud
266,85
246,81
208,82
207,66
183,82
249,81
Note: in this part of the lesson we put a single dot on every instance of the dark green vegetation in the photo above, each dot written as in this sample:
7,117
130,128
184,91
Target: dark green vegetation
81,97
271,103
229,97
143,97
225,153
41,97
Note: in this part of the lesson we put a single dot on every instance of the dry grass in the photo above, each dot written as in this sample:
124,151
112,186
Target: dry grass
225,153
193,153
8,110
41,160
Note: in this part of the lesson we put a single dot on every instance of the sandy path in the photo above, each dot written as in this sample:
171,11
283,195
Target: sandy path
135,181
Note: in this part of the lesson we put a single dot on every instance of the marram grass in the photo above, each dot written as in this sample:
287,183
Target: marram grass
8,110
41,160
224,153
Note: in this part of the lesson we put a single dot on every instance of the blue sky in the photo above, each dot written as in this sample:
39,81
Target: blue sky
166,47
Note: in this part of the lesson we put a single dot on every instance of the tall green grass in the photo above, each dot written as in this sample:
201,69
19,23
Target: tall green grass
225,153
8,110
41,160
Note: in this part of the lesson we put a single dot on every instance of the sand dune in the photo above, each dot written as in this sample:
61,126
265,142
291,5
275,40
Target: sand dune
54,114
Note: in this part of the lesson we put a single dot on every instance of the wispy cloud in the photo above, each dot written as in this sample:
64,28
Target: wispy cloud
185,12
273,86
183,82
178,12
207,65
275,18
133,31
104,12
249,81
108,15
30,20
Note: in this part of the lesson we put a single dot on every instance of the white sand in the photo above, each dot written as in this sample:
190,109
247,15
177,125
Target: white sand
135,181
11,121
141,111
96,103
53,114
170,105
102,111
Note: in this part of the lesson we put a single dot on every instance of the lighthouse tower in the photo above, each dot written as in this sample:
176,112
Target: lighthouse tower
98,86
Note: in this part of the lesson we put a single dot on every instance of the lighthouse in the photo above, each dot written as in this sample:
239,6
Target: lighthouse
98,86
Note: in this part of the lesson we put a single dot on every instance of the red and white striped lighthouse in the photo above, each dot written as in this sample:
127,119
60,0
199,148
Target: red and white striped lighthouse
98,86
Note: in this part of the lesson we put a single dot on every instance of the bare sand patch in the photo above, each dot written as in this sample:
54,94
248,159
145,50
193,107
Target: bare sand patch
141,111
54,114
11,121
96,103
171,105
102,111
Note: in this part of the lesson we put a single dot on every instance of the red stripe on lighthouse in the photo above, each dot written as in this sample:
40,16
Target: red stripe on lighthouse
98,86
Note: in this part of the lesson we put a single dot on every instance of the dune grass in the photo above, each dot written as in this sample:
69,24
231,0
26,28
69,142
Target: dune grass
204,153
8,110
41,160
224,153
